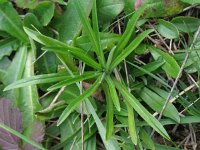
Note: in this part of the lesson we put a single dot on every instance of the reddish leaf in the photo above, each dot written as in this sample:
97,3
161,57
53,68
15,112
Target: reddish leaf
11,117
138,3
37,135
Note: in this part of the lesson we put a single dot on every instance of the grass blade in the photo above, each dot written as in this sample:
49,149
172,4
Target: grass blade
130,48
79,99
131,100
74,79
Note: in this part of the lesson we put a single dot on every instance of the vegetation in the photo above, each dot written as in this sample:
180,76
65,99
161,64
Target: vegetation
105,74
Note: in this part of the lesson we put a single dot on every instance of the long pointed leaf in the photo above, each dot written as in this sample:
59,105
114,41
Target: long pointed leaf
130,48
110,144
131,124
76,52
47,41
74,79
129,30
96,31
152,121
38,79
113,93
10,21
109,112
79,99
90,32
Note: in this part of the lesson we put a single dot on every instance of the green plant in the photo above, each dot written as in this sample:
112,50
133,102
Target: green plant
85,61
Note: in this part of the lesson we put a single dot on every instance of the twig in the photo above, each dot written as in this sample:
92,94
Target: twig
82,116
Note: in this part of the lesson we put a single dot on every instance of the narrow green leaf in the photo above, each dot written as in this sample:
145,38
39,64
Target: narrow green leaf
150,67
21,136
76,52
129,30
110,144
38,79
113,93
131,100
123,54
96,31
79,99
74,79
91,34
131,124
47,41
110,57
10,22
171,67
149,73
146,138
156,103
109,112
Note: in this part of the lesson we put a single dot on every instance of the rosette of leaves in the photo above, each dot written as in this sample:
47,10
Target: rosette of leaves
103,69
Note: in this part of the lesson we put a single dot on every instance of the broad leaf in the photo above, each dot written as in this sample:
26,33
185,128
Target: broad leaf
10,22
131,100
14,73
11,117
37,135
69,24
28,97
48,8
108,10
7,46
186,24
11,128
78,100
171,67
27,4
167,29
